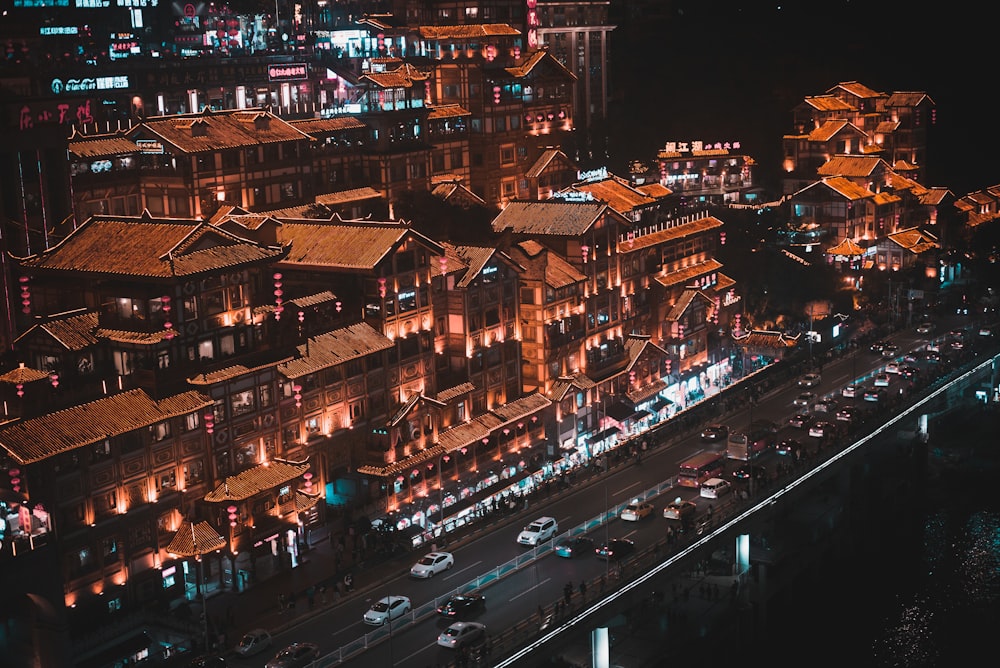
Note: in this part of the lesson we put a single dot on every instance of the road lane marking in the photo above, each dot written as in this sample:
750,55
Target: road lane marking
625,489
452,573
511,600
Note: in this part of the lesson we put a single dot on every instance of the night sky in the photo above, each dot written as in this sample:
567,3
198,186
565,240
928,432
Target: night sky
722,70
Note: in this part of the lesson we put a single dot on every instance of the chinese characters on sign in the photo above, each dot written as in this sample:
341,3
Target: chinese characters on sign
688,147
288,72
52,113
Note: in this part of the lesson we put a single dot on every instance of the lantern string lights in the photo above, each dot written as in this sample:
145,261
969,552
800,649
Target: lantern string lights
25,295
298,395
209,422
278,292
167,325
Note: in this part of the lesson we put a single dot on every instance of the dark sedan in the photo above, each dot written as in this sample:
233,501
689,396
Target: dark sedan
615,549
714,432
461,605
574,546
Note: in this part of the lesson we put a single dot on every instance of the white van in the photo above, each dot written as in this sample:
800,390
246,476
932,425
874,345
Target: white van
714,488
538,531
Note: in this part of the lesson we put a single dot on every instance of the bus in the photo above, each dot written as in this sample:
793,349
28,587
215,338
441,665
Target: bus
751,443
700,467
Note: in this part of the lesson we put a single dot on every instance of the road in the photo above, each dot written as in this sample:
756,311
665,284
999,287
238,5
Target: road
516,593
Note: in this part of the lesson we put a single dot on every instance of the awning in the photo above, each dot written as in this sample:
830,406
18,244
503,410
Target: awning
660,404
619,411
603,435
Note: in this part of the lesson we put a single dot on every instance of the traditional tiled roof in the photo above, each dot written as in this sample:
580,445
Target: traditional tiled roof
521,408
323,126
74,331
848,247
304,500
548,157
530,61
856,89
684,302
646,391
397,467
679,231
263,360
60,431
100,146
446,111
722,283
857,166
474,258
255,480
550,217
907,98
637,344
133,337
559,273
829,129
564,385
211,131
935,196
883,198
688,274
904,166
887,127
195,540
349,195
467,31
616,192
447,395
531,248
765,339
844,187
454,191
146,247
333,348
466,433
344,244
23,375
914,240
401,77
827,103
654,190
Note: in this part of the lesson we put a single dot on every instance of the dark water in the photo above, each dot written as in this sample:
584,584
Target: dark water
922,592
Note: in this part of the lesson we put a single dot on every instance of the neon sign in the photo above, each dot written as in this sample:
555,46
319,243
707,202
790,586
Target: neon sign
86,84
687,147
599,174
289,72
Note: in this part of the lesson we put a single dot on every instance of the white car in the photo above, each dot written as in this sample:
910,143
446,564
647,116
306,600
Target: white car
892,367
715,488
461,633
386,609
432,564
809,380
881,380
538,531
804,399
925,328
850,391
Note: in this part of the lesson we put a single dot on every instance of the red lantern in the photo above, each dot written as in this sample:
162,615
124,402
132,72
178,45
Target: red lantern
210,422
722,238
298,395
54,379
20,389
496,95
585,250
381,288
25,295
